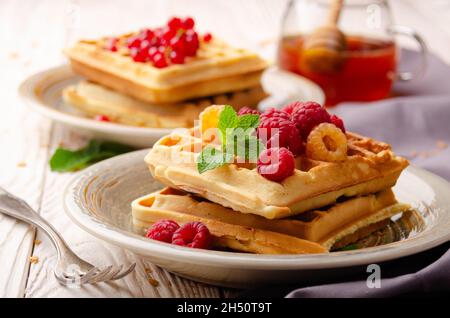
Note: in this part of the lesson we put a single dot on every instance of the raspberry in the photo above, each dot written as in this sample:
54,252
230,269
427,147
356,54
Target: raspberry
338,122
276,164
326,142
273,112
279,132
162,230
308,116
193,234
248,111
289,108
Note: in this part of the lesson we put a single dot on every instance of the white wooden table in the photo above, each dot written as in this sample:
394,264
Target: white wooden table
32,35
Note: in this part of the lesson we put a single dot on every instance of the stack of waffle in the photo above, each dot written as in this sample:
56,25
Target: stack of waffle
323,206
140,94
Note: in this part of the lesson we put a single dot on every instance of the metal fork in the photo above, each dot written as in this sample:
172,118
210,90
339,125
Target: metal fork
70,270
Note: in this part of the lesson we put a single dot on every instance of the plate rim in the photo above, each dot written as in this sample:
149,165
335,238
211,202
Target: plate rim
161,250
27,91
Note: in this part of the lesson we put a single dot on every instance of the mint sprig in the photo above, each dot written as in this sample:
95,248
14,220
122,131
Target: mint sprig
237,139
65,160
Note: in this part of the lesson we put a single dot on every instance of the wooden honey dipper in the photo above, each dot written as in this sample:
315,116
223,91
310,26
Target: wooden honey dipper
323,49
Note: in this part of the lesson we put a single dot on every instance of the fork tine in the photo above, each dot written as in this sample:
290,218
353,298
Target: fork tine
99,277
125,272
86,277
113,272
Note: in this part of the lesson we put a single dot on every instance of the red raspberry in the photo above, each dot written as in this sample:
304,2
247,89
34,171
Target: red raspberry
276,164
308,116
279,132
162,230
273,112
289,108
248,111
193,234
338,122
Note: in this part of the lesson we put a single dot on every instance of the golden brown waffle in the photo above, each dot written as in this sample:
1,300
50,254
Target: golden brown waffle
371,166
217,68
354,218
326,226
93,99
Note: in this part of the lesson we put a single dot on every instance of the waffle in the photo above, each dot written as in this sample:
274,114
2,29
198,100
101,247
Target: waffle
353,219
371,166
217,68
93,99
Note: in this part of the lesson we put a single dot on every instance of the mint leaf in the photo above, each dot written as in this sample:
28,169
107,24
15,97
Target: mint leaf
248,121
211,158
228,119
350,247
64,160
246,146
253,148
237,137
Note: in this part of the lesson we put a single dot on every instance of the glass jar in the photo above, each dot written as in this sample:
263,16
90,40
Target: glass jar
370,57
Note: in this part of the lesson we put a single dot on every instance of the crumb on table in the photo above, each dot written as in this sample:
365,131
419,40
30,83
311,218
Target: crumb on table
34,259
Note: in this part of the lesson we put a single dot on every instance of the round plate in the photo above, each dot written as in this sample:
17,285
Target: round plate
98,200
43,93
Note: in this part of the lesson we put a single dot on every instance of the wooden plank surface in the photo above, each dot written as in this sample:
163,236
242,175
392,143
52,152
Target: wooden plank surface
32,35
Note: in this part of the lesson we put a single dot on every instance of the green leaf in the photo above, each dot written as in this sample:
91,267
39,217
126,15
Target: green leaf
228,119
64,160
246,146
248,121
350,247
211,158
253,148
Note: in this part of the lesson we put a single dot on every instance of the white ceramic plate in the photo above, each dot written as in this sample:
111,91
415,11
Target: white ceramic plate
98,200
42,93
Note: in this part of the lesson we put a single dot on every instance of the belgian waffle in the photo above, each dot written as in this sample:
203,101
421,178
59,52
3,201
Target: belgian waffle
217,68
93,99
371,166
354,218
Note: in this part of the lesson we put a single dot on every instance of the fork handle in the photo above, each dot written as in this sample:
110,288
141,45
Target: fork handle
19,209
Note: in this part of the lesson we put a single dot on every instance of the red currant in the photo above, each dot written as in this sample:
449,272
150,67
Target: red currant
191,43
146,34
102,118
207,37
134,42
175,23
111,44
176,57
177,43
139,55
159,60
188,23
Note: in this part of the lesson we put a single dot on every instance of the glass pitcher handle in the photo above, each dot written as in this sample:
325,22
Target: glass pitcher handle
411,33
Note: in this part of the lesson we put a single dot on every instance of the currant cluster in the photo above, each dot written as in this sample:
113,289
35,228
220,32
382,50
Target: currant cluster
164,46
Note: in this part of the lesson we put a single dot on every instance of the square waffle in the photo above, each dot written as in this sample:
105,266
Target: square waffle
370,167
217,68
93,99
343,223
